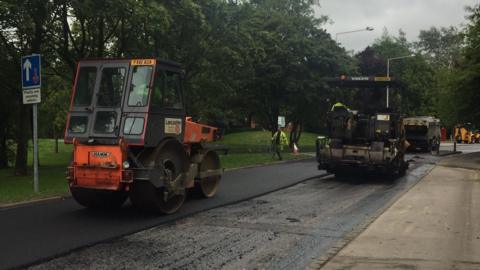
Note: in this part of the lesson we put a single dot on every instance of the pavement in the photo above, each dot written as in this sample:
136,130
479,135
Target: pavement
435,225
37,232
461,147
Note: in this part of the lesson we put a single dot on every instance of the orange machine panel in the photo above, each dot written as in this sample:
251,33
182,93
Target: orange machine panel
97,166
196,133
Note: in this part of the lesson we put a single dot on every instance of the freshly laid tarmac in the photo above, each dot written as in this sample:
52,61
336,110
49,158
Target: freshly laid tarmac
436,225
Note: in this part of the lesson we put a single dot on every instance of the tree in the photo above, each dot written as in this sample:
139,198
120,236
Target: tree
8,105
416,98
25,23
242,59
441,48
466,83
292,55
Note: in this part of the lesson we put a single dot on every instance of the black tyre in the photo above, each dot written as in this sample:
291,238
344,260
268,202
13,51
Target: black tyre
429,147
342,174
101,199
437,147
207,187
403,168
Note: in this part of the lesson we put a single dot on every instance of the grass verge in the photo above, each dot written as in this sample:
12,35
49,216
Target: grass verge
263,138
53,165
51,174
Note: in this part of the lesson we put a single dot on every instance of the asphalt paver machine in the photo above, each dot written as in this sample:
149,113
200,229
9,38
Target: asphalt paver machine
131,137
370,141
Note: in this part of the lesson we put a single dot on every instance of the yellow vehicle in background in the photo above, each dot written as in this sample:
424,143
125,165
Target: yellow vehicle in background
464,134
476,137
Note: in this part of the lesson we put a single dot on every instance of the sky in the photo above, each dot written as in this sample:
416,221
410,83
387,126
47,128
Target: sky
409,15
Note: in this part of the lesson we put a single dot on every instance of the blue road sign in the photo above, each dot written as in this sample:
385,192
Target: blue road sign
31,77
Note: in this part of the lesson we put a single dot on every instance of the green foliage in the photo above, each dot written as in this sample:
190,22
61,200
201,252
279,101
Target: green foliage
441,47
294,54
454,57
467,81
244,60
418,97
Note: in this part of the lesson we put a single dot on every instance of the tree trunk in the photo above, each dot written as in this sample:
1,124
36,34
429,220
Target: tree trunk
296,133
100,37
3,148
67,56
121,47
55,136
274,119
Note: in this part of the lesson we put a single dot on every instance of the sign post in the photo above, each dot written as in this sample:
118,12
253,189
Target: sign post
455,140
31,85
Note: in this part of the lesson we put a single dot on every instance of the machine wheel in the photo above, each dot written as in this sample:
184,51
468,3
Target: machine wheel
208,187
436,147
103,199
429,147
144,195
342,174
402,168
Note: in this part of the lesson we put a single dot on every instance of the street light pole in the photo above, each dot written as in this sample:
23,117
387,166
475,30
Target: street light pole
388,74
368,28
388,87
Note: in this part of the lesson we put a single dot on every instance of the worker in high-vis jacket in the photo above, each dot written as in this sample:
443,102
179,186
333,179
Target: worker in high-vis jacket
279,140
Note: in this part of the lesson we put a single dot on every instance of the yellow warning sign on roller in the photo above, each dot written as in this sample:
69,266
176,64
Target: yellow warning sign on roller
142,62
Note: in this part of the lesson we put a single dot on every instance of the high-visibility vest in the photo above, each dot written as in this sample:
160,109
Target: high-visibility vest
283,140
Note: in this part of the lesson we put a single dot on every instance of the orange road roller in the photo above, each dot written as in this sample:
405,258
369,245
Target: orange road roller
132,139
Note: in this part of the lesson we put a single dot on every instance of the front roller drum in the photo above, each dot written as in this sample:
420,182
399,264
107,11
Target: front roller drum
102,199
205,185
171,160
144,195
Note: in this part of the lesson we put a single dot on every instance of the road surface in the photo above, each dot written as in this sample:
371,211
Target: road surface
37,232
285,229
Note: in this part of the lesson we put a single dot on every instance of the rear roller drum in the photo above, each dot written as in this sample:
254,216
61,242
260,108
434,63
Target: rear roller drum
103,199
170,197
208,186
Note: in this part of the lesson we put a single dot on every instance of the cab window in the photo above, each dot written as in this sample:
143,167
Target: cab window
85,85
111,87
167,90
78,124
138,92
133,125
105,122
